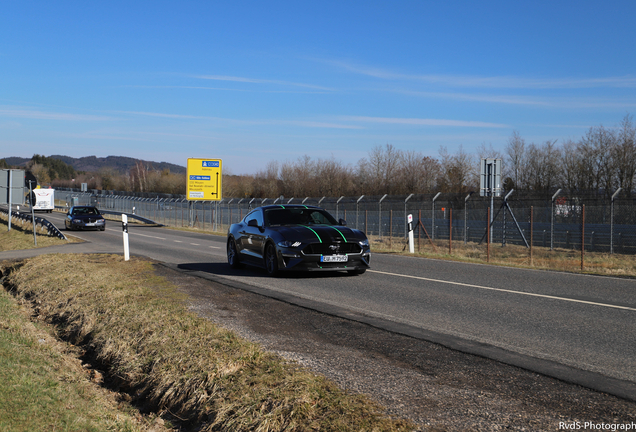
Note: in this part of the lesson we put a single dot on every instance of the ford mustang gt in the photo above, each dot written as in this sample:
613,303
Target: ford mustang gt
296,238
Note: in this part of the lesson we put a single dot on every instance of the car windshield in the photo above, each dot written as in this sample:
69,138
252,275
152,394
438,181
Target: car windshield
85,211
298,216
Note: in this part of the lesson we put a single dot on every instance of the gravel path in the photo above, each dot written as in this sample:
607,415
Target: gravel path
437,388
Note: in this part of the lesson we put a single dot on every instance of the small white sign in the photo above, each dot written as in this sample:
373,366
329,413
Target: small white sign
196,194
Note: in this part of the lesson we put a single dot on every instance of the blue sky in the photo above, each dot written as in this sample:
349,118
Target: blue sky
252,82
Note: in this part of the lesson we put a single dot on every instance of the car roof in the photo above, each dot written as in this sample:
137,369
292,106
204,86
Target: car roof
277,206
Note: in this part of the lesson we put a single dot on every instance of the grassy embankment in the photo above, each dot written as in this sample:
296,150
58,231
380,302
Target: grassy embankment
21,235
137,329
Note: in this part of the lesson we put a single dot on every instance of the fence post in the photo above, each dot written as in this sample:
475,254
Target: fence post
450,233
583,238
433,216
488,237
531,231
357,209
380,216
419,230
612,220
466,217
390,229
552,219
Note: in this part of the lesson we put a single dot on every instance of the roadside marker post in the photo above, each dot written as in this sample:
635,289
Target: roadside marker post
410,224
124,225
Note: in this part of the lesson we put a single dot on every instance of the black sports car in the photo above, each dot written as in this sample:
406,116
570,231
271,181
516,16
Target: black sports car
297,237
84,217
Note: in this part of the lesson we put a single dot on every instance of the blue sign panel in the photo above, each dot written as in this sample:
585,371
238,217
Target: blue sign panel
199,177
212,164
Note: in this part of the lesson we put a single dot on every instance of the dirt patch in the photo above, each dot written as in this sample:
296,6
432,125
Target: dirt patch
438,388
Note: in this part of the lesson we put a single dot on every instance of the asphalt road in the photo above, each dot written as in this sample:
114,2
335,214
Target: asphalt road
535,319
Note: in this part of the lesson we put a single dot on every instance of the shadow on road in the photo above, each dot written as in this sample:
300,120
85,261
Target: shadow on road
224,269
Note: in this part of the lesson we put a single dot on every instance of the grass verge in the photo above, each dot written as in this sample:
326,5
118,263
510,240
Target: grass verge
21,235
43,387
169,360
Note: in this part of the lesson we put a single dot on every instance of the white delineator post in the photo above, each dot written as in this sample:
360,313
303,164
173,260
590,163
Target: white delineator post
124,223
411,245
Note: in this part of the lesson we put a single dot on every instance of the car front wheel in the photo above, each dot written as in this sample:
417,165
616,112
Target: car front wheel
232,254
271,260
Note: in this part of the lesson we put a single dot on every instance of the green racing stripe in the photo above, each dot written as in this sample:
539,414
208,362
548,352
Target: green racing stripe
319,239
341,235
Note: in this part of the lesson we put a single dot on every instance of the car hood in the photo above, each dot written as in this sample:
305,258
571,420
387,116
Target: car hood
319,233
84,216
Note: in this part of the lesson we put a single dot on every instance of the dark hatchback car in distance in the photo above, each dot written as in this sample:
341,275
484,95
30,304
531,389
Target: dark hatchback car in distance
84,217
297,238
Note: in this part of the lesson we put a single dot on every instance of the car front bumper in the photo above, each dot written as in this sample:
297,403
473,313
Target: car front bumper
293,260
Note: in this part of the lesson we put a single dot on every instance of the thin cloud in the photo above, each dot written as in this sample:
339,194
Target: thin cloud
300,123
423,122
43,115
548,102
488,82
261,81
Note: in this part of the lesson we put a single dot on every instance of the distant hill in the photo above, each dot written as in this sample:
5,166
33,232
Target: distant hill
121,164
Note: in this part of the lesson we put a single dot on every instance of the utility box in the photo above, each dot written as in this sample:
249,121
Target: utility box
43,199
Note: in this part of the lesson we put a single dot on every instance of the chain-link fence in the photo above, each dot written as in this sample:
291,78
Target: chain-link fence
556,221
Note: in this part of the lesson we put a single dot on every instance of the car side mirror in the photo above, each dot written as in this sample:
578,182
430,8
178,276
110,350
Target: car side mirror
342,222
252,223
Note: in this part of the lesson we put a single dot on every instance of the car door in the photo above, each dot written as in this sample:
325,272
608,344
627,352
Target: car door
252,235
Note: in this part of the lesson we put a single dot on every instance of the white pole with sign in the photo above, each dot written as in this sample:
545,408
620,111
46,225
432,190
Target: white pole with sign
411,245
124,223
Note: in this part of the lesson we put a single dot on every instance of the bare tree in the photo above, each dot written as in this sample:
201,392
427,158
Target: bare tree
596,150
417,173
457,173
378,172
569,165
515,161
624,155
542,166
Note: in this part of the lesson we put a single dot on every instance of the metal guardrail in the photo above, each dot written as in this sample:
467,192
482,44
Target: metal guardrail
51,229
131,216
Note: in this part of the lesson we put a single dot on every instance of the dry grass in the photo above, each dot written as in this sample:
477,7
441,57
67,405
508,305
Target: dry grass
44,387
21,235
514,256
137,326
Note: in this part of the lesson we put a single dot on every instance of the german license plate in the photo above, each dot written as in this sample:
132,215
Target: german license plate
334,258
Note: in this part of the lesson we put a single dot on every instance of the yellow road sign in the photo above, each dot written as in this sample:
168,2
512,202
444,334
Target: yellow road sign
204,179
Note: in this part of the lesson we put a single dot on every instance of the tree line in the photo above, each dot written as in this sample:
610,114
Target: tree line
602,160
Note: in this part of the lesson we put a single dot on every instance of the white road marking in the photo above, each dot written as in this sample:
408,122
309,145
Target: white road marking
506,291
195,244
215,247
144,235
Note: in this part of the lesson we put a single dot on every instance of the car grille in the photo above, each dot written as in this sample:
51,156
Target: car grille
326,249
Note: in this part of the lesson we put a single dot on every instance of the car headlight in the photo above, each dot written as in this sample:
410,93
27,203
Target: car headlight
77,221
288,244
364,243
